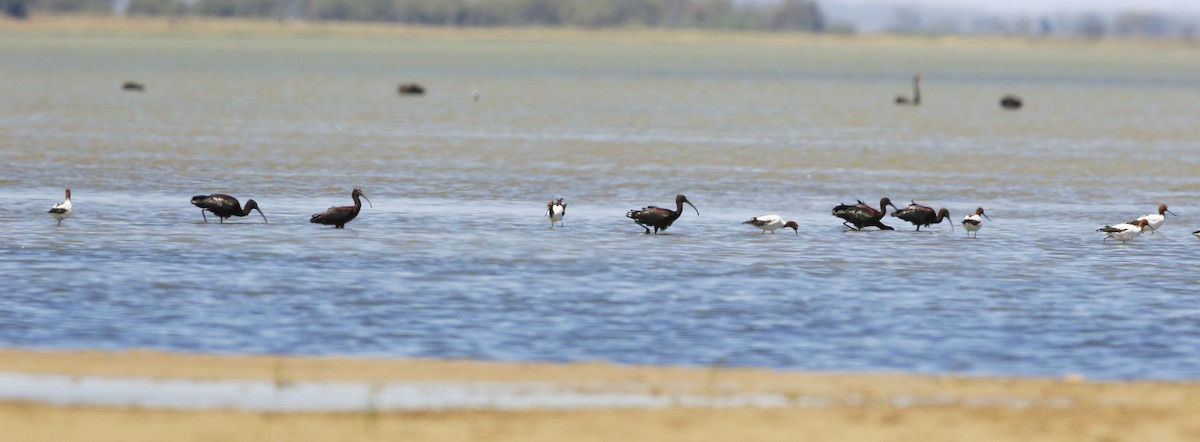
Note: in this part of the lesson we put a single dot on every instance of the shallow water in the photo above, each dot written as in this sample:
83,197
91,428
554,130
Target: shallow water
454,259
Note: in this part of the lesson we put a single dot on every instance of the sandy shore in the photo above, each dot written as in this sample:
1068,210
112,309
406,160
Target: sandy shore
877,407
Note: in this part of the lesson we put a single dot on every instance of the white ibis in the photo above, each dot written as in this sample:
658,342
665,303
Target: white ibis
861,215
1124,232
224,206
974,221
772,223
921,215
658,217
62,210
1155,219
340,215
556,210
916,98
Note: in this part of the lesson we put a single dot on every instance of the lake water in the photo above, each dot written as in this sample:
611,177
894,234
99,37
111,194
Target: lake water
455,259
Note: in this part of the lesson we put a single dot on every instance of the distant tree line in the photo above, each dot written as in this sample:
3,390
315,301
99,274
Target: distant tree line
775,15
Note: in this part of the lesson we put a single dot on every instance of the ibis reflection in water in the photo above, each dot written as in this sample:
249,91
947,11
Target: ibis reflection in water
658,217
772,223
1125,231
922,216
340,215
556,210
974,222
224,206
861,215
62,210
1155,220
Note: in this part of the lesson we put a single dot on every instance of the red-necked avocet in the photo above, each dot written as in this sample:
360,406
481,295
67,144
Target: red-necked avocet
772,223
974,221
1124,232
62,210
1155,219
556,210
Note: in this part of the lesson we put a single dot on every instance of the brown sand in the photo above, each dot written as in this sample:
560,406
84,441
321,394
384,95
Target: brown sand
1069,409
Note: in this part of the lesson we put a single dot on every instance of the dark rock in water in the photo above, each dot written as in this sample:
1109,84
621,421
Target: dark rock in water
1010,102
411,89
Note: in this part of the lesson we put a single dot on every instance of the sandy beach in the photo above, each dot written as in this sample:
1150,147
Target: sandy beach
858,407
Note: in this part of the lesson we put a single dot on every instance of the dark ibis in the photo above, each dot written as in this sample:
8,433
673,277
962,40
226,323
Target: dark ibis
1125,231
916,98
861,215
556,210
921,215
62,210
224,206
658,217
1011,102
1155,219
772,223
410,89
133,86
974,221
340,215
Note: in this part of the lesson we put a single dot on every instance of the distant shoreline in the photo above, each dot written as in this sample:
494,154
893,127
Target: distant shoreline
105,25
867,406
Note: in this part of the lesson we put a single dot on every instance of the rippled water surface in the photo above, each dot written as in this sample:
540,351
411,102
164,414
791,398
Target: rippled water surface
455,260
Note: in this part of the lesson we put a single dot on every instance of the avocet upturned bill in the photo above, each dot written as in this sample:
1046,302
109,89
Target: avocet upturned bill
772,223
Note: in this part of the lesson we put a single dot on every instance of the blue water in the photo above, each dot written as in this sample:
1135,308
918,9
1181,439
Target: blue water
455,260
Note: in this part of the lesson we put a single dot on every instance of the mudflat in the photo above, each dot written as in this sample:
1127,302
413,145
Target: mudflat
856,406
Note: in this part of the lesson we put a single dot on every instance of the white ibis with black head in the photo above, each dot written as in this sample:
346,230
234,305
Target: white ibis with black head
916,98
340,215
658,217
772,223
224,206
861,215
556,210
921,215
1155,220
62,210
1124,232
974,221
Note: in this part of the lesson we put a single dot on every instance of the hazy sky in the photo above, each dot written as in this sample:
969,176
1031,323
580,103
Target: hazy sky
1052,6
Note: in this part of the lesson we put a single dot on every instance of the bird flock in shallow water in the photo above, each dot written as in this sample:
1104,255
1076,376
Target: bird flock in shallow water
855,217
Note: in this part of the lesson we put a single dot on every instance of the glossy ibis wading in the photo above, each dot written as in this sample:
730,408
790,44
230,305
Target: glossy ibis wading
1125,231
772,223
861,215
556,210
922,216
1155,220
658,217
62,210
224,206
340,215
974,221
